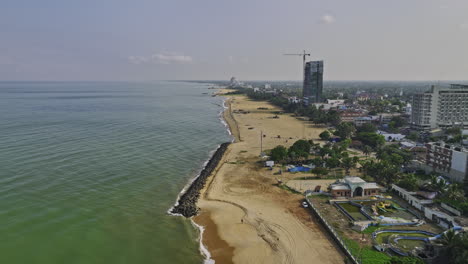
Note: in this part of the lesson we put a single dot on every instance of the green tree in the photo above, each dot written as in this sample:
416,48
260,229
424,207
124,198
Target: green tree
324,151
366,150
325,135
333,117
367,128
332,162
319,171
413,136
409,182
279,153
437,185
394,154
382,171
345,130
348,163
301,148
373,140
455,249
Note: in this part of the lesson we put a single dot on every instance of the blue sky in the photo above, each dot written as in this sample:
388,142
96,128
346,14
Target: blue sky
140,40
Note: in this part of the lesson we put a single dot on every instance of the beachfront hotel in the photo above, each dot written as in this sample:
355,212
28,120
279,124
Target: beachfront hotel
440,108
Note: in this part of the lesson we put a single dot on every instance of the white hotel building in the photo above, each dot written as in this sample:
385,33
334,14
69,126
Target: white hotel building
440,108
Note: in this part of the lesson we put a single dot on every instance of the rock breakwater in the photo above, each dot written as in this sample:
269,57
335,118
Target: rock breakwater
187,204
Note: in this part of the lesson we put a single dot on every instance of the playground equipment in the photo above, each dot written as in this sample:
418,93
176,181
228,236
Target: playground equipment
384,206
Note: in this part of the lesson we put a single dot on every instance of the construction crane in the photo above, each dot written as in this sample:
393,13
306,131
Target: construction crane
303,54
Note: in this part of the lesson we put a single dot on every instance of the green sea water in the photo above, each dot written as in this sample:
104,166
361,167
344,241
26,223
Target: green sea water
88,170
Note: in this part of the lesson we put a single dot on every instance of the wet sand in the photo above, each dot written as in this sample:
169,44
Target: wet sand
247,218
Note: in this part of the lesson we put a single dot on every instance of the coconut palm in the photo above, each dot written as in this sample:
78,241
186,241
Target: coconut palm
366,150
455,247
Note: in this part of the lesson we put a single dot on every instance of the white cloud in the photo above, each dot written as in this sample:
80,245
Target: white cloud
162,58
327,19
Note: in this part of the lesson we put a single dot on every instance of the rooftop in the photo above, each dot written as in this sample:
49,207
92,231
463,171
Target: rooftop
340,186
353,179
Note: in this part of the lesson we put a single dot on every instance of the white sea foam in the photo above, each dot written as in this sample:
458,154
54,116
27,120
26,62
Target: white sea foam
210,155
223,121
203,250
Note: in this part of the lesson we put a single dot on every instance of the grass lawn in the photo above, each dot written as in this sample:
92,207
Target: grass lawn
367,255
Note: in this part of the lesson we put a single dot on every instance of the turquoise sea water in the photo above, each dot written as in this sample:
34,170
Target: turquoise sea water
88,170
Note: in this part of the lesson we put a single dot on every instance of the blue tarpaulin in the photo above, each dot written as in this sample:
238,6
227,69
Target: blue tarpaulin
296,169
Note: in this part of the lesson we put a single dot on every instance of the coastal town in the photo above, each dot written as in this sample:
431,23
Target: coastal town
360,177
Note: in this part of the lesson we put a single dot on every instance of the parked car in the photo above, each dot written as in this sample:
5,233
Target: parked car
305,204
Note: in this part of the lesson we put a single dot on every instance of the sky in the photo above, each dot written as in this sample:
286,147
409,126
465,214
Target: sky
144,40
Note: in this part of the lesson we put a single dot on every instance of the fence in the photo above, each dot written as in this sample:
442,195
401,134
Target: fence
333,233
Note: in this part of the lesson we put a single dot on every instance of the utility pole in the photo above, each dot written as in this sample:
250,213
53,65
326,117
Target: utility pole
261,142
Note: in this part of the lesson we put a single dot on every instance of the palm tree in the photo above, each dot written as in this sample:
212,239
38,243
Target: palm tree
348,163
366,150
454,192
437,185
455,246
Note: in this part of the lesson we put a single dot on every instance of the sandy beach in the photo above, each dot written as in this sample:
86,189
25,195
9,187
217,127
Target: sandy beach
247,218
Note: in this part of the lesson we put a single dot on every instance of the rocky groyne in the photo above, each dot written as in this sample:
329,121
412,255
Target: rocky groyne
187,204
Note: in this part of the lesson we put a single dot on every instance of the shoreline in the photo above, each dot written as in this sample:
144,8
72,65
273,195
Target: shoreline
244,223
186,202
218,249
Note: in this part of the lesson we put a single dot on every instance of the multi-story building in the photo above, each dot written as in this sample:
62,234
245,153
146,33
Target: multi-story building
449,160
440,108
350,115
313,82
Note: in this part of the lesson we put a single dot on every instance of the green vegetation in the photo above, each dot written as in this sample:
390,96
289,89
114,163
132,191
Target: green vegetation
382,238
300,148
325,135
366,254
456,248
319,171
345,130
413,136
405,260
349,163
235,92
370,128
370,229
409,182
395,123
317,115
279,153
287,188
382,171
371,139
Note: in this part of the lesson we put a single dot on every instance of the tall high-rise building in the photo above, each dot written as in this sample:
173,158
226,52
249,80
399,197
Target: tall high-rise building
313,82
440,108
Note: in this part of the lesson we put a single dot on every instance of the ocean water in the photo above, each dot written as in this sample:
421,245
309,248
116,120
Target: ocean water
88,170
